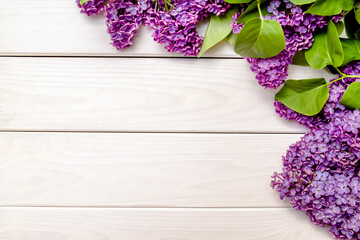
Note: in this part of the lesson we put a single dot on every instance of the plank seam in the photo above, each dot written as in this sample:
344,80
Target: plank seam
152,132
113,56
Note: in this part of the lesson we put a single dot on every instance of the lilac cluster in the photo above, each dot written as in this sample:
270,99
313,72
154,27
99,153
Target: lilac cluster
298,29
176,28
173,21
91,7
123,20
321,173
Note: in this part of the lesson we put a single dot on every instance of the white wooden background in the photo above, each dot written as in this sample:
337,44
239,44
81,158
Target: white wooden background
141,144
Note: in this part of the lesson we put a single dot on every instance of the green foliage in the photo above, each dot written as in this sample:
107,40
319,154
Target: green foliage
231,38
237,1
299,59
217,30
330,7
351,50
340,27
260,39
351,97
348,5
351,25
83,1
357,15
326,49
306,96
252,12
302,2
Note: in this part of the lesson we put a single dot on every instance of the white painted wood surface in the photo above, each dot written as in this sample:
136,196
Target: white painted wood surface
156,224
141,170
134,145
147,95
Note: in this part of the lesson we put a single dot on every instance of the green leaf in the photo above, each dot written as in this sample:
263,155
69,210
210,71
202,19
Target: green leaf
326,7
351,96
348,5
306,96
334,45
326,49
351,25
83,1
357,15
351,50
302,2
299,59
252,12
340,27
237,1
357,35
217,30
231,38
260,39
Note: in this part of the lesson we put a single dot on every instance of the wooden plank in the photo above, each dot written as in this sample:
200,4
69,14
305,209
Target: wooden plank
39,27
156,224
140,170
152,95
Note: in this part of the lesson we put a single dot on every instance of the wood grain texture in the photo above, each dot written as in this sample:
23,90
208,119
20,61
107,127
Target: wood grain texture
140,170
156,224
141,95
39,27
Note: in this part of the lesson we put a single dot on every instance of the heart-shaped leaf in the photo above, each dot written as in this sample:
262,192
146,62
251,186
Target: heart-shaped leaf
357,15
217,30
306,96
260,39
327,7
351,96
351,50
348,5
326,49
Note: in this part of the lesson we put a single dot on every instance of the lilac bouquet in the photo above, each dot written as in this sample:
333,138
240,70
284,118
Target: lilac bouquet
321,173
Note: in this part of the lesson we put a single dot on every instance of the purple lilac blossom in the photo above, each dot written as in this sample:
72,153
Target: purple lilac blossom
321,174
175,28
91,7
123,20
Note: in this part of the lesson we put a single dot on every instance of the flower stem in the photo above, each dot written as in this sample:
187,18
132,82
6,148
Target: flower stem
343,76
259,8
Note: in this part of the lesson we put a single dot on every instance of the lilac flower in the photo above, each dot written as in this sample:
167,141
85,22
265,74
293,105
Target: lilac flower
325,164
91,7
183,17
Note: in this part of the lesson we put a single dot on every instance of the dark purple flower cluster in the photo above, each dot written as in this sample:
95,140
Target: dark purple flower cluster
321,173
91,7
298,29
176,28
123,20
173,24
